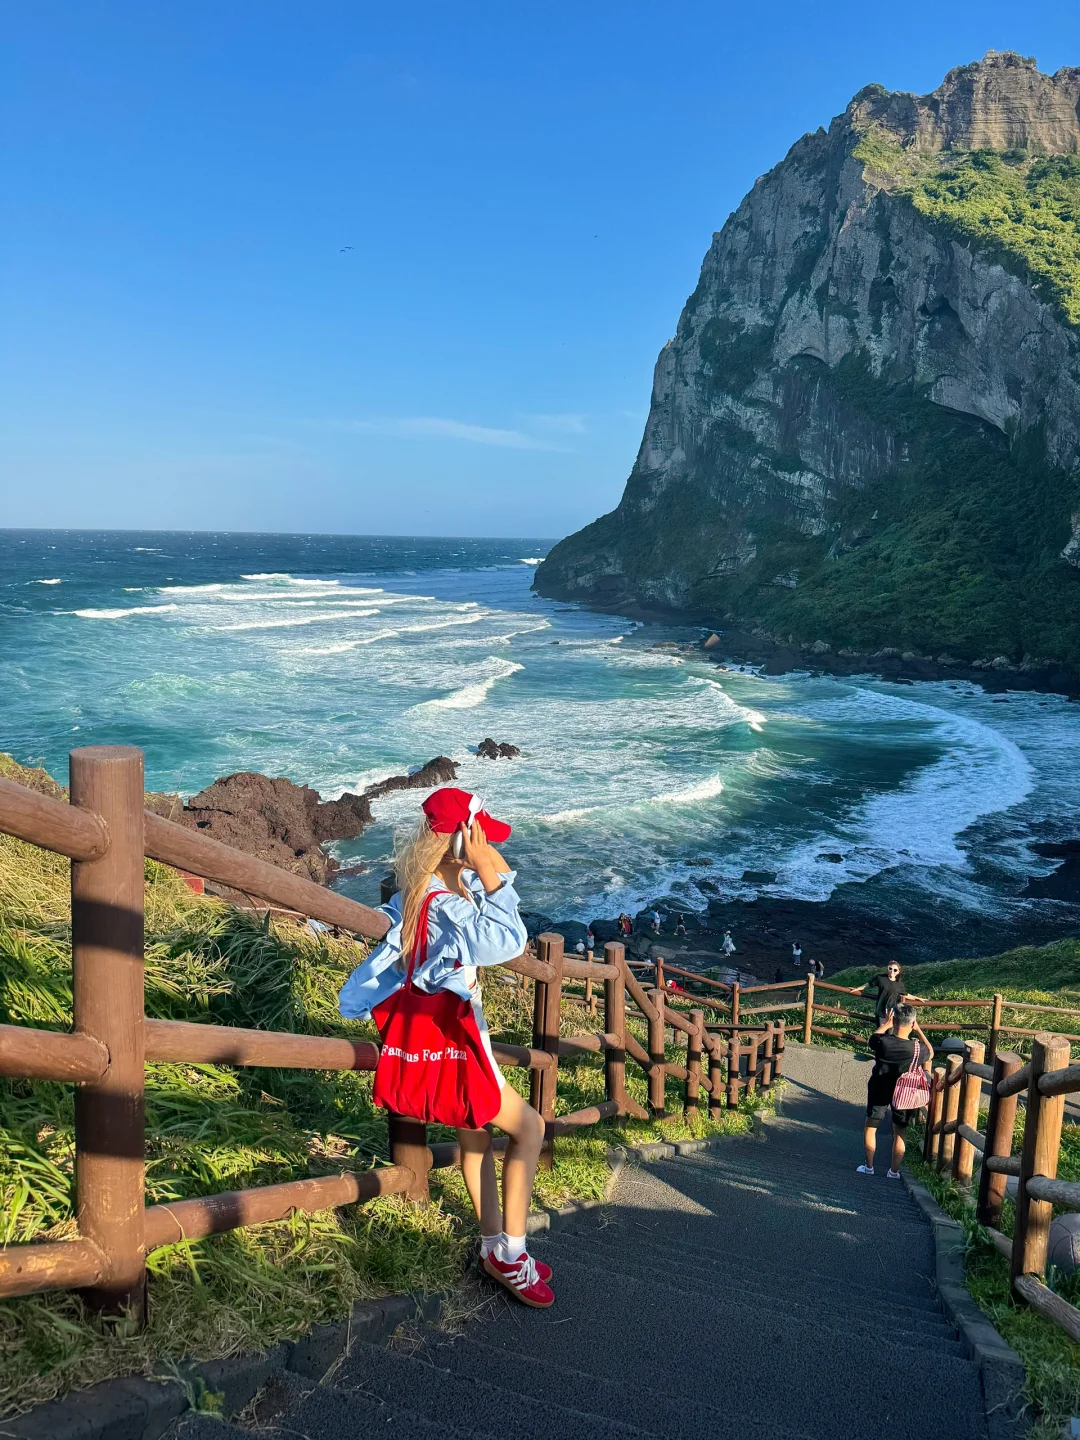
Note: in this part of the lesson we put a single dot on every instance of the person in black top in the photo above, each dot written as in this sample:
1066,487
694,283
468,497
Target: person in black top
889,990
894,1044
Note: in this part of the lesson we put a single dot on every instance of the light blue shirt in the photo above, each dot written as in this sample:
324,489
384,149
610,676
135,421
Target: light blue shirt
462,934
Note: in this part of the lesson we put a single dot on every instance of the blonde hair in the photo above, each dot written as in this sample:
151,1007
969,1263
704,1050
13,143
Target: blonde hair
418,852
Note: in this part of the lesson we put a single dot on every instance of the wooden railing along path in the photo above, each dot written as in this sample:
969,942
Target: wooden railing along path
106,833
952,1139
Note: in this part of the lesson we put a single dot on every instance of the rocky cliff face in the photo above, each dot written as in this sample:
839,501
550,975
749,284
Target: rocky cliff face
866,430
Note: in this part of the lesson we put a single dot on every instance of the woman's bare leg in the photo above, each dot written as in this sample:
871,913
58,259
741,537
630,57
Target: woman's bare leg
526,1131
478,1168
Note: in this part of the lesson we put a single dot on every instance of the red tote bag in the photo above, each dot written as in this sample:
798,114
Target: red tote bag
433,1065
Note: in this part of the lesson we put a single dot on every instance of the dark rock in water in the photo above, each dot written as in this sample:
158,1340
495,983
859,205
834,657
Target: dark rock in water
535,923
605,930
699,860
276,820
759,877
440,771
489,749
1064,882
832,857
572,931
289,824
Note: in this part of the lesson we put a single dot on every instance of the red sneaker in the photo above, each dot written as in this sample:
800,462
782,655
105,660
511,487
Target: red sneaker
521,1278
543,1271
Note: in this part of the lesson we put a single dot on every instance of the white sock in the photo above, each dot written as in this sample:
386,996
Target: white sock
488,1244
509,1247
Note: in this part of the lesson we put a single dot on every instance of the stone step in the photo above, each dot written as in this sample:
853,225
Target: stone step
767,1368
684,1256
330,1412
833,1309
617,1394
481,1400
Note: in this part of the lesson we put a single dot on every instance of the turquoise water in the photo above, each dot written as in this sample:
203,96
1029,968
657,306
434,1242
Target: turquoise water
337,661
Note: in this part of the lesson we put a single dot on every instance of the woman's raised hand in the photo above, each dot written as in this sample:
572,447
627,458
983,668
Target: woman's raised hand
481,856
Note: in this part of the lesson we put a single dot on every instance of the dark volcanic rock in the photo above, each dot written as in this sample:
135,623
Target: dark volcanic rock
440,771
494,750
1062,883
289,824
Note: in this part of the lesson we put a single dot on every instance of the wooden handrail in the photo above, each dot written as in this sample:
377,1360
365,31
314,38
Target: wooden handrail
211,1214
1014,1083
974,1138
199,855
575,969
1002,1164
181,1041
1045,1302
640,998
40,820
677,1021
588,1044
29,1054
51,1265
1060,1082
1017,1030
670,969
1055,1192
774,985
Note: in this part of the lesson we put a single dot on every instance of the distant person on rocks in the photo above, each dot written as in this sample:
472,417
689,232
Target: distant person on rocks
456,909
680,926
590,942
580,947
656,922
728,946
898,1044
819,970
796,955
626,925
778,978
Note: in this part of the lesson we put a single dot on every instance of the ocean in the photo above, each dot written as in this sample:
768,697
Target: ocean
338,660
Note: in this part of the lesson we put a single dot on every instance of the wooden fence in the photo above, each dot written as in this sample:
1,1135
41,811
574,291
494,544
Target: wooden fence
952,1140
106,833
804,999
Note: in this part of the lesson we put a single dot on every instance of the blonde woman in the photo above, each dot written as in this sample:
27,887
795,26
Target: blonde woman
450,873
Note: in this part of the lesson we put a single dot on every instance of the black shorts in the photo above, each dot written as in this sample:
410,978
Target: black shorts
900,1118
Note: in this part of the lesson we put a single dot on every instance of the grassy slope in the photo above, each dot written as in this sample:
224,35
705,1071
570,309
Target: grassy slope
212,1128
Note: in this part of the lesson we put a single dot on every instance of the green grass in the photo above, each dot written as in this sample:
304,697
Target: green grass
1021,210
1051,1359
211,1128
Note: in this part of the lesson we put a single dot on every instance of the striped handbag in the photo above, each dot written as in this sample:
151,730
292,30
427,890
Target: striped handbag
913,1088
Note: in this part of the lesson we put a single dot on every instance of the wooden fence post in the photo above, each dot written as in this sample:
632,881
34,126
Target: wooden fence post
735,1004
693,1061
734,1065
933,1119
753,1057
954,1065
970,1096
767,1069
657,1075
1000,1124
409,1147
107,980
933,1114
778,1048
995,1026
660,973
716,1079
590,996
546,1015
808,1012
1042,1140
615,1024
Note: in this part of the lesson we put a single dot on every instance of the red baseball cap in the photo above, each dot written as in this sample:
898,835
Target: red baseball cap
446,809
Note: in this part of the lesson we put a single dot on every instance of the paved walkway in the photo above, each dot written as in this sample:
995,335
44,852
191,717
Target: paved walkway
760,1290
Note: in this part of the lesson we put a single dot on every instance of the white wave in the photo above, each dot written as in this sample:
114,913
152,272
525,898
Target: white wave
146,550
287,579
567,817
188,589
532,559
298,620
440,625
706,789
119,614
344,645
617,640
469,696
48,582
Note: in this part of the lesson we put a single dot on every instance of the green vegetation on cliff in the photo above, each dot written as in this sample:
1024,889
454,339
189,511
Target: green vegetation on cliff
1023,210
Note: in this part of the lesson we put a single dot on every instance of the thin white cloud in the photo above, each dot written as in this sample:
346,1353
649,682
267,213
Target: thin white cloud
561,424
423,427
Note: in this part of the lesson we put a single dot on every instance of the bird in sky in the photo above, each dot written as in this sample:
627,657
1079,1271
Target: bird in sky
344,248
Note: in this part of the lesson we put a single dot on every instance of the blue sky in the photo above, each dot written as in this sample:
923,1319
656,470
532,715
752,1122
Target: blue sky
390,269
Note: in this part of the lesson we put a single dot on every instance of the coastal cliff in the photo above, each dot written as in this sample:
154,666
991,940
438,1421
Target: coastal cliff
866,431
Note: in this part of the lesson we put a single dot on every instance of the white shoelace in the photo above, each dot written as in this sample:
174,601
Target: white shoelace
525,1274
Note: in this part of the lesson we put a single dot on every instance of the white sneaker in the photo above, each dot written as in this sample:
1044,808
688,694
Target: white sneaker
894,1174
865,1170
